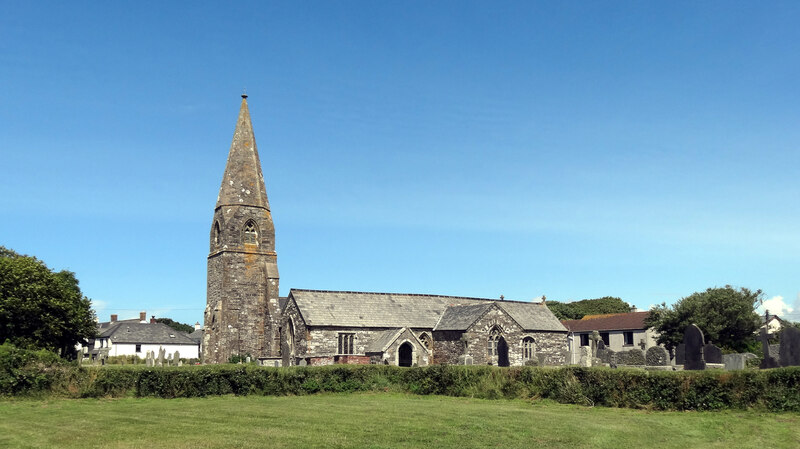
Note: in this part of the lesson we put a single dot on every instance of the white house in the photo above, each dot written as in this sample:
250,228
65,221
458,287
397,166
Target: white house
619,332
137,337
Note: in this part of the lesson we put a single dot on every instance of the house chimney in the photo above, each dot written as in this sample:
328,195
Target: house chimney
143,317
114,317
544,299
502,298
153,319
197,326
634,309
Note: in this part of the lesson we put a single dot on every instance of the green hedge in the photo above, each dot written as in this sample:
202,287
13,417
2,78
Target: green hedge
774,390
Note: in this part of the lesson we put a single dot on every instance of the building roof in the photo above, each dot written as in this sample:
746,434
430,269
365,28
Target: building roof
145,333
395,310
243,182
383,340
197,335
461,317
610,322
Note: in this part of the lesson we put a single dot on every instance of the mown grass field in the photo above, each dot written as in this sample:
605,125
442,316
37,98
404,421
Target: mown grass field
376,421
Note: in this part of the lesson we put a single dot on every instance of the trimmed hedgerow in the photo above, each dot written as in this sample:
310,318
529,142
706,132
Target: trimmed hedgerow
775,390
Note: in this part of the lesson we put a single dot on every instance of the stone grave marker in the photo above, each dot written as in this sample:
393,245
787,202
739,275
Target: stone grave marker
790,346
712,354
302,362
161,354
465,359
680,354
734,361
586,356
694,341
657,356
247,359
769,361
176,358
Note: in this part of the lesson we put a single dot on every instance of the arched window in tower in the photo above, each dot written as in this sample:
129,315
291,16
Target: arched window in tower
216,234
250,236
527,348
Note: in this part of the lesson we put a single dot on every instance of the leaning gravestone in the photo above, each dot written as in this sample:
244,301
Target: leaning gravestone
769,361
657,356
790,346
712,354
694,341
465,359
680,354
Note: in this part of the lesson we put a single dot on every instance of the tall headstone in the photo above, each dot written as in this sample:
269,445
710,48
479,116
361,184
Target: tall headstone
712,354
790,346
176,358
586,356
161,354
657,356
768,361
694,341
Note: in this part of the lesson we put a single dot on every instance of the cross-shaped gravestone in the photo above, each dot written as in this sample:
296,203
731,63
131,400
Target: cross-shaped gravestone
642,344
595,337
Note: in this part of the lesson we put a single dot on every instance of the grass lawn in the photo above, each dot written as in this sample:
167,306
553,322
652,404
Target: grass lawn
377,421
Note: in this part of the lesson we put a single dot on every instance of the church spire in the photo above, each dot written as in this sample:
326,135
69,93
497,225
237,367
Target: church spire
243,182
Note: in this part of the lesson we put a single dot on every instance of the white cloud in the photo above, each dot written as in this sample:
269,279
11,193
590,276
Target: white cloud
776,306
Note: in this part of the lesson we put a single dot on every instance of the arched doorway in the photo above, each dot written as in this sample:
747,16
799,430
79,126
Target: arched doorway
502,352
405,354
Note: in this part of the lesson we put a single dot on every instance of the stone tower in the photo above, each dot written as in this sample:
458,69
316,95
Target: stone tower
242,311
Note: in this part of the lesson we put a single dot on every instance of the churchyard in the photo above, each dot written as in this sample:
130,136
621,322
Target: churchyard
377,420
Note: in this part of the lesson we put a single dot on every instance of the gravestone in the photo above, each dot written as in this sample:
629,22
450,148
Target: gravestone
149,359
657,356
161,353
790,346
632,357
769,361
712,354
734,361
247,359
586,357
465,359
694,341
303,362
680,354
595,337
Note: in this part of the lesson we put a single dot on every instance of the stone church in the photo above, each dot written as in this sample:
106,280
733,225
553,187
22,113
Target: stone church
245,314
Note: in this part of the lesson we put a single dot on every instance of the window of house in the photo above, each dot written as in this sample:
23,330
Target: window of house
527,348
138,348
584,339
628,338
604,337
346,343
250,233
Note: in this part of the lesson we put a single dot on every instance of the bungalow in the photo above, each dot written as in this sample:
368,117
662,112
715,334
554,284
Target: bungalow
619,332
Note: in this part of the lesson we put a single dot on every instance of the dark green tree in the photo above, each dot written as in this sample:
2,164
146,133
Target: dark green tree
726,316
578,309
40,308
180,327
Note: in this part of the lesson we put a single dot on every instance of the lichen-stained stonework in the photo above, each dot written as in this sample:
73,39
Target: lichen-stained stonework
242,314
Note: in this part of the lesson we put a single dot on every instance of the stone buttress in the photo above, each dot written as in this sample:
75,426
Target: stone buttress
242,314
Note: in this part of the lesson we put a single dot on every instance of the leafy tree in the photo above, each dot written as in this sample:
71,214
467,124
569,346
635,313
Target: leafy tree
40,308
180,327
578,309
726,316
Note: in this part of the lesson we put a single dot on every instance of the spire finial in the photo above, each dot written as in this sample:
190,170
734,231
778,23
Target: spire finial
244,92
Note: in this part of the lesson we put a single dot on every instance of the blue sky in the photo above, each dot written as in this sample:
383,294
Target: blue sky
572,149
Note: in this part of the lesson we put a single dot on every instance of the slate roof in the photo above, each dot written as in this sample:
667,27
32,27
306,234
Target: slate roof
382,340
146,333
197,335
610,322
396,310
461,317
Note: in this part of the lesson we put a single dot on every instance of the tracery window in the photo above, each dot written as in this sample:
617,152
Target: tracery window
494,337
425,340
346,343
527,348
250,233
